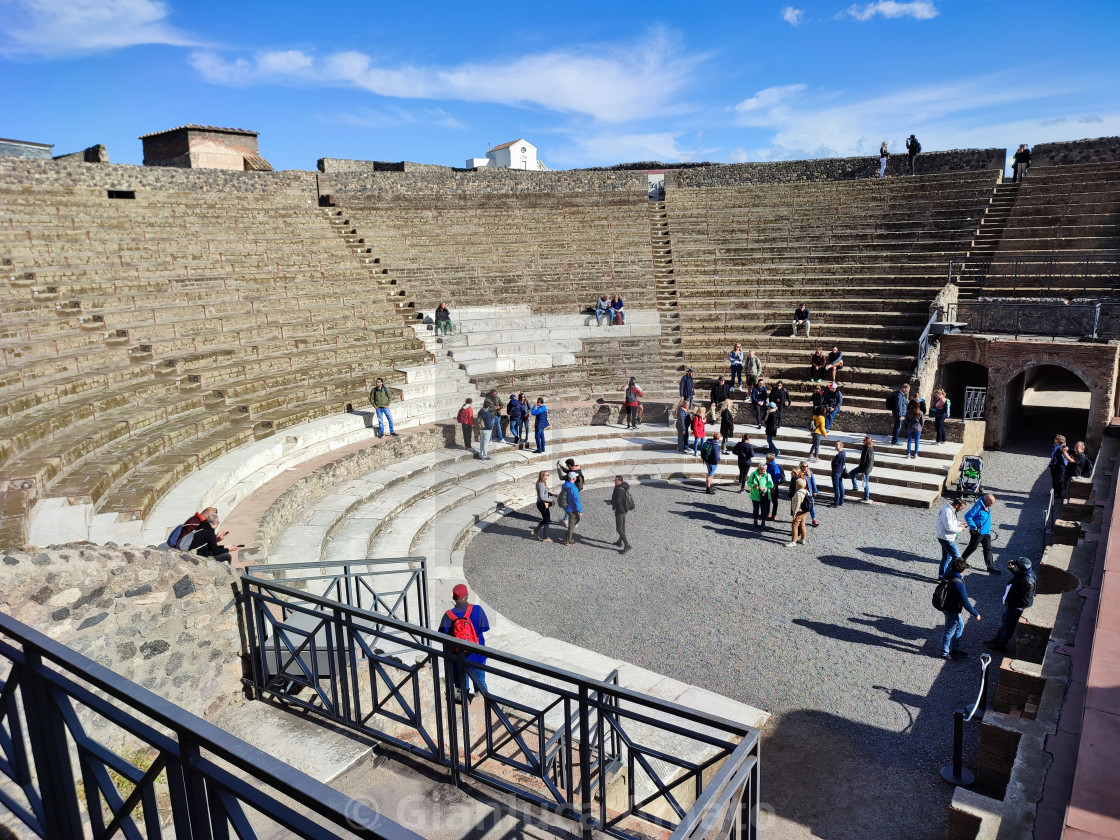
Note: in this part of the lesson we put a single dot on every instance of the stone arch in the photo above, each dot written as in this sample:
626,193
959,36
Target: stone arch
1027,412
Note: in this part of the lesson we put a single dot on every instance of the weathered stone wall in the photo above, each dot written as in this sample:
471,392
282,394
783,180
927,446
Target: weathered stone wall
94,154
345,165
1097,150
163,619
447,181
834,169
1096,364
20,172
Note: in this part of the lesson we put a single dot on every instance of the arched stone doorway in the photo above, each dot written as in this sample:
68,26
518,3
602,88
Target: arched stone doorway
1046,400
956,377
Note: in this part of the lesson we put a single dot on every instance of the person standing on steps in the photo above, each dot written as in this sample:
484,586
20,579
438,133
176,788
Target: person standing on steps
753,368
979,522
443,319
864,468
818,432
475,616
915,420
687,389
1017,597
525,414
948,526
492,403
883,154
622,503
699,430
1021,162
897,403
780,397
726,426
759,398
801,317
684,425
544,507
466,421
939,410
736,359
832,402
773,423
485,421
839,474
513,412
956,601
570,501
913,149
379,398
710,454
760,484
540,422
630,403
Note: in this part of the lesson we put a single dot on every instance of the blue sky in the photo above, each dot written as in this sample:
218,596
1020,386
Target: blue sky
588,83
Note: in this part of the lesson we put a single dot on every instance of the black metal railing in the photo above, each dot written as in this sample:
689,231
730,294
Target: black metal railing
167,773
1040,275
395,586
612,759
955,773
1098,321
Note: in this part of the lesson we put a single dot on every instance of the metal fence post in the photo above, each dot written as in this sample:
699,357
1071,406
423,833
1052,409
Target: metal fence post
46,730
584,763
955,774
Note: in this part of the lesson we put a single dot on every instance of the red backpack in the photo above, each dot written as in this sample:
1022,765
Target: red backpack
461,626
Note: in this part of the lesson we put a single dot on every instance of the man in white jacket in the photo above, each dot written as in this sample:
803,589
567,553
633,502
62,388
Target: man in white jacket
948,526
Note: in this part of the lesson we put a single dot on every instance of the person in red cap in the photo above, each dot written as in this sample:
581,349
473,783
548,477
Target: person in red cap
462,621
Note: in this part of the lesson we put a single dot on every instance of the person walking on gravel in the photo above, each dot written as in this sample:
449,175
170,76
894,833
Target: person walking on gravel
811,486
544,506
956,601
622,503
948,526
569,500
709,454
776,476
979,522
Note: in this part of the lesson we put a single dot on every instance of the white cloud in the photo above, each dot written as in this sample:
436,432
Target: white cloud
64,27
611,83
739,155
917,9
391,117
811,123
792,16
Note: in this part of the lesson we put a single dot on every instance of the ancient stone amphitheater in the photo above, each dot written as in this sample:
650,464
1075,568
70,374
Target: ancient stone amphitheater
174,339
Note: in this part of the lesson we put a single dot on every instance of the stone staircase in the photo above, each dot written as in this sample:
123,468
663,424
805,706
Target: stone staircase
665,285
986,240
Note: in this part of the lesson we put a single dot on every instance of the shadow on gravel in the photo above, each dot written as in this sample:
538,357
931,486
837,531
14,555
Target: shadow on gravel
854,564
856,636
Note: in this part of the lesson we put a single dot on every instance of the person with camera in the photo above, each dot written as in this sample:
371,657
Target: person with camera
1018,596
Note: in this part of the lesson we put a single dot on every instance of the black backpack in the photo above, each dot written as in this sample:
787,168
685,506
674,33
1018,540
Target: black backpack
806,503
890,402
944,596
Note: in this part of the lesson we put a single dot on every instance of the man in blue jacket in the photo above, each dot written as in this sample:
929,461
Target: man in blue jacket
574,508
688,387
954,624
477,617
979,522
899,400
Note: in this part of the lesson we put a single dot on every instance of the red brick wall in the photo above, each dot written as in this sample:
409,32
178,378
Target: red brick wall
1006,358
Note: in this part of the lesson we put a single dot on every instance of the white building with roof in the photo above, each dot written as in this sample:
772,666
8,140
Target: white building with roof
516,154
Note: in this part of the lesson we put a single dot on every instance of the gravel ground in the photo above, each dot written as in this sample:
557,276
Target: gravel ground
838,638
